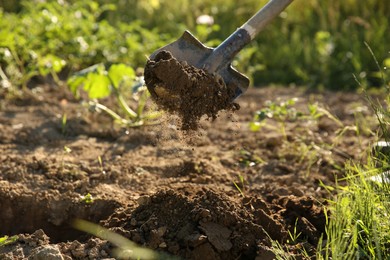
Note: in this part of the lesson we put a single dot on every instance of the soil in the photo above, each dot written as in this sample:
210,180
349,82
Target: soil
225,193
186,90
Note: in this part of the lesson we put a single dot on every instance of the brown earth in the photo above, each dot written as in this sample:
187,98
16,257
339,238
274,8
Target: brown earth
162,190
186,90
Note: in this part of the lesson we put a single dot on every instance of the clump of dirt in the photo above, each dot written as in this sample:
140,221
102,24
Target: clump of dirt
187,91
205,225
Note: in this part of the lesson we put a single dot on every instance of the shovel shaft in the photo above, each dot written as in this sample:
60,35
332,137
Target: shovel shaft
263,17
225,52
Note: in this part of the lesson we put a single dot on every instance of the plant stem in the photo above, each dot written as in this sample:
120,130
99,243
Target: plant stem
110,112
130,112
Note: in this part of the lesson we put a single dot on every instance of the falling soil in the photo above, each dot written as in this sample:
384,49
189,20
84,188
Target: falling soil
229,195
186,90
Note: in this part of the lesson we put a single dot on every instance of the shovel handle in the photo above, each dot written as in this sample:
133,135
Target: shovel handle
223,55
263,17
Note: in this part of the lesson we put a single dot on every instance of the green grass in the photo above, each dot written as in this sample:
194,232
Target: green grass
6,240
359,222
358,226
125,249
358,217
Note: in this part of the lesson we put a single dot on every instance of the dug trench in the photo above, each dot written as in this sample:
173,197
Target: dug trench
226,195
27,208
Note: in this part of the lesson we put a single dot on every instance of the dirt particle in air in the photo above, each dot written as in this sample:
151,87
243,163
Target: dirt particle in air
187,91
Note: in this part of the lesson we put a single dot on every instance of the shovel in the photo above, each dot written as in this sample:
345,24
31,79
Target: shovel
218,60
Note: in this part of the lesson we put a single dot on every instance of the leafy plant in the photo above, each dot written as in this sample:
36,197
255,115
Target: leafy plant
281,112
100,83
49,37
6,240
88,198
248,159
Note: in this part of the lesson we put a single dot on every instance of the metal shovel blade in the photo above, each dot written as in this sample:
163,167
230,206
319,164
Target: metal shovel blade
218,60
189,49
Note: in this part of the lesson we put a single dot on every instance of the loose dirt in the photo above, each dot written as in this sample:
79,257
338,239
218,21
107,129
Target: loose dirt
227,195
186,90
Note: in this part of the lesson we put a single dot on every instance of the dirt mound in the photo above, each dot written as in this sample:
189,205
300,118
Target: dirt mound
186,90
205,226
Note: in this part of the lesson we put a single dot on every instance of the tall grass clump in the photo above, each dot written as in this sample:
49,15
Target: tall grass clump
358,226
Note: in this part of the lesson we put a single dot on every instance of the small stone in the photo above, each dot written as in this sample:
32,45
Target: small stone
204,213
195,240
144,200
297,192
281,191
162,245
161,231
93,253
218,235
133,222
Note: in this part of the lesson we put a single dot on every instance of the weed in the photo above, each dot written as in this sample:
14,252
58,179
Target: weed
66,150
63,124
100,83
6,240
357,227
294,235
280,111
248,159
301,149
87,198
126,249
242,183
283,252
100,161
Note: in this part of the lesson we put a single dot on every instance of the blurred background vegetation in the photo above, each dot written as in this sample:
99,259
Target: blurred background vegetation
320,44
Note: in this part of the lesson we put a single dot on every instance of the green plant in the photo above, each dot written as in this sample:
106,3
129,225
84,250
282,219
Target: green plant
294,235
63,123
100,161
242,183
6,240
280,111
381,111
314,43
100,83
248,159
47,37
66,150
357,226
125,249
288,252
87,198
